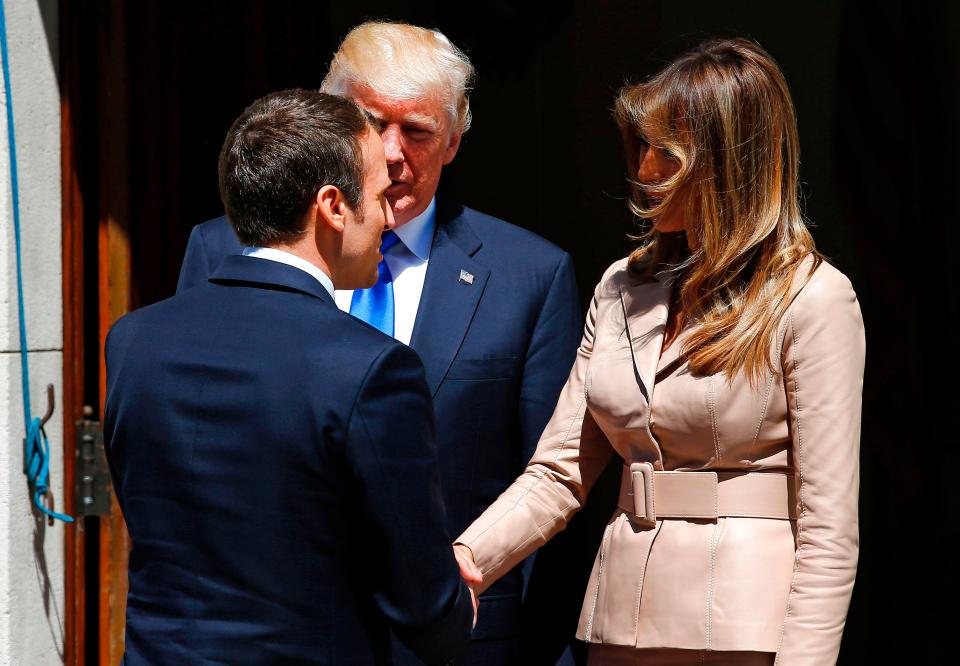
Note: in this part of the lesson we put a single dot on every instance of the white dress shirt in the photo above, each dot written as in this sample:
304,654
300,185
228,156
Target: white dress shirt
407,261
282,257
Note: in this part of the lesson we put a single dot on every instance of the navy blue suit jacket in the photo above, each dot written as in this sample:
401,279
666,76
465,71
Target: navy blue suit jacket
275,462
496,353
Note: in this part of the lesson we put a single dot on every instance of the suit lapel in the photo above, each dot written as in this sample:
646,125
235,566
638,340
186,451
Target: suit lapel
451,292
645,309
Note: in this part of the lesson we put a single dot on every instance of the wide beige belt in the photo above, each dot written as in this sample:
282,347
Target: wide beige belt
650,495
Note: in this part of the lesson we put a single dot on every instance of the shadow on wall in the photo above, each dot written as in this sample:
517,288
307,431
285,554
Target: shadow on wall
50,16
50,608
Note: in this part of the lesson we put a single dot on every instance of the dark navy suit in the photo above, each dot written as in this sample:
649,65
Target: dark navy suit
496,353
275,462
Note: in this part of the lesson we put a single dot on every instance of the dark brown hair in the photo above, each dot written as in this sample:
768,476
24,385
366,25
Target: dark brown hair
279,152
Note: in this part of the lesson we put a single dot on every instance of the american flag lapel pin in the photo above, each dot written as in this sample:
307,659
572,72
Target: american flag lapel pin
465,277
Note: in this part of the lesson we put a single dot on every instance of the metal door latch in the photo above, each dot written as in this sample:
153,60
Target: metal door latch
93,475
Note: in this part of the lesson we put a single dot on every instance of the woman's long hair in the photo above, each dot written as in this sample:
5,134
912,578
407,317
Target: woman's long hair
723,112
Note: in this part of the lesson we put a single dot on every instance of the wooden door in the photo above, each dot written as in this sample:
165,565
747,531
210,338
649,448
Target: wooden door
148,91
96,289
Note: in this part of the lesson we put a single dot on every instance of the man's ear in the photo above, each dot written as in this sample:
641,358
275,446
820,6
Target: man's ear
452,147
332,207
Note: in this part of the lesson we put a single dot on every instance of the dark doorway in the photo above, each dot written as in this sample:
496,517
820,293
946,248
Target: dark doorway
152,88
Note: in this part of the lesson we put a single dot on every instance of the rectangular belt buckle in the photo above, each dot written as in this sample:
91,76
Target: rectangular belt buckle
644,505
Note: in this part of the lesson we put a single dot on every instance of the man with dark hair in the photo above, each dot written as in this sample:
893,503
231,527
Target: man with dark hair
273,456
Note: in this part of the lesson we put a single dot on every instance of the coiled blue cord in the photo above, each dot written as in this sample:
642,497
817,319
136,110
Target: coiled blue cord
36,453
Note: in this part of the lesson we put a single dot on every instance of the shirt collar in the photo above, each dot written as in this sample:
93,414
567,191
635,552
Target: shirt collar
417,234
273,254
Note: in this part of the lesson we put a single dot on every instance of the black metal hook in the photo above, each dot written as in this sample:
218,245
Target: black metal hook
51,402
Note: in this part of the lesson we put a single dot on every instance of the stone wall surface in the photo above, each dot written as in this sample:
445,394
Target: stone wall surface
31,552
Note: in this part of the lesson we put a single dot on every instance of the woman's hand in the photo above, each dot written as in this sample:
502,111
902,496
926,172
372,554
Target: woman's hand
470,573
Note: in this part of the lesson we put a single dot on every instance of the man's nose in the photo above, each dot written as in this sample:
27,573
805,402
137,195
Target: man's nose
392,145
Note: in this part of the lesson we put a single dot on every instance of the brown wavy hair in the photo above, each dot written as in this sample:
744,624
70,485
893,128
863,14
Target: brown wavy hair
723,112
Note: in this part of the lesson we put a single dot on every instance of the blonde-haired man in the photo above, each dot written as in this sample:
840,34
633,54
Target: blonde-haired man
415,84
491,308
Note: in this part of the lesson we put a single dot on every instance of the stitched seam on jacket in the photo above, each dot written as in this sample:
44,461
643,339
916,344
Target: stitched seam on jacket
536,481
712,407
643,577
766,406
539,533
799,466
589,372
636,604
711,582
769,392
596,592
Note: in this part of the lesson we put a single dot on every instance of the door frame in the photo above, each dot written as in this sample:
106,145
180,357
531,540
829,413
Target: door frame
95,200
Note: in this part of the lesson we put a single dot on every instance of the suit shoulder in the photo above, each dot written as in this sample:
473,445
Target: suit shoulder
122,327
365,334
364,340
819,283
616,271
217,227
824,325
369,358
511,239
823,291
129,327
141,315
616,276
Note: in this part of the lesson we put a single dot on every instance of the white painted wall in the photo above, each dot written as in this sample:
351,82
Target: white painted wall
31,554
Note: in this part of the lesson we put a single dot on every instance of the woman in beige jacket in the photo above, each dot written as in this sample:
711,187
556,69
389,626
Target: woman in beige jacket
723,360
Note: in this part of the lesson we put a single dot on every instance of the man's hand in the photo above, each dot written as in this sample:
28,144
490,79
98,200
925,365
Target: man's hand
470,573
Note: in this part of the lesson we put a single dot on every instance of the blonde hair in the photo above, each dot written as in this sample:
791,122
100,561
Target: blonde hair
723,112
403,62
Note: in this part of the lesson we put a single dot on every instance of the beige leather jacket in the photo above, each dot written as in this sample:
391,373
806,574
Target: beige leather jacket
712,575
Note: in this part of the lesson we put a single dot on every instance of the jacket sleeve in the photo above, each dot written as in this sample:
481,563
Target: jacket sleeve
392,457
196,264
549,355
570,455
822,358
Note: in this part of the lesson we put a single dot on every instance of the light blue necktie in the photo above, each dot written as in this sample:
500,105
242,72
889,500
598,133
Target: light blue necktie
375,305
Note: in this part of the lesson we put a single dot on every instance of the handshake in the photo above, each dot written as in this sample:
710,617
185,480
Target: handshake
470,573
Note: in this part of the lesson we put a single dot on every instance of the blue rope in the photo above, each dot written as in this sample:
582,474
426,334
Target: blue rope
36,448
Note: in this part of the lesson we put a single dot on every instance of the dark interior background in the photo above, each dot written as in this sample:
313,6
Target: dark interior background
875,86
